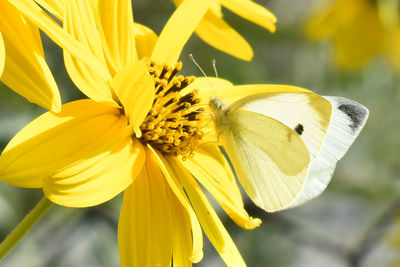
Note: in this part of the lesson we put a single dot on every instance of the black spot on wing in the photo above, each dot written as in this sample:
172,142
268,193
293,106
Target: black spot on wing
299,129
356,113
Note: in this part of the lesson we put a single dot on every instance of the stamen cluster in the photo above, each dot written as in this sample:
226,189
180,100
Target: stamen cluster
173,125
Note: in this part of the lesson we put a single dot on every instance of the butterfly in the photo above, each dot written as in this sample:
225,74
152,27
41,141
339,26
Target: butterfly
284,145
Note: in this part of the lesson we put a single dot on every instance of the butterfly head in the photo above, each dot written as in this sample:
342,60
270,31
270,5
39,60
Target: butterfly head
220,115
216,104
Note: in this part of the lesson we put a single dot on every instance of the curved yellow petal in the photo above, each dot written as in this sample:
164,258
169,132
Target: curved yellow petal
53,141
215,6
145,40
209,87
178,190
144,230
135,89
116,22
182,242
99,176
26,71
207,216
252,12
217,33
153,228
55,7
31,10
177,31
212,170
80,22
2,54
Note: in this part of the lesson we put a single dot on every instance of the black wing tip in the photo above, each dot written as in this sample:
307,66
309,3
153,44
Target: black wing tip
357,113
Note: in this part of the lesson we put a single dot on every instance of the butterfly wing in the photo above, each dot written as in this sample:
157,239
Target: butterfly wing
270,158
346,122
326,125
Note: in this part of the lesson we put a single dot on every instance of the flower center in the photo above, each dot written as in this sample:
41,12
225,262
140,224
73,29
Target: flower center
173,125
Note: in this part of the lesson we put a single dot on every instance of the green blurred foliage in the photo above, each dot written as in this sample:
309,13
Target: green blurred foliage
347,226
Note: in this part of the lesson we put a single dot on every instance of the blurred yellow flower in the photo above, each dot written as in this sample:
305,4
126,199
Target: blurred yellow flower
359,30
391,239
140,132
2,54
216,32
23,67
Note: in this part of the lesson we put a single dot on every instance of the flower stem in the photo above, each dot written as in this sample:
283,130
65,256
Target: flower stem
24,226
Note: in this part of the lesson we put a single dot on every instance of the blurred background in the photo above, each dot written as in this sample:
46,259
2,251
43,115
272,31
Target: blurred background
355,222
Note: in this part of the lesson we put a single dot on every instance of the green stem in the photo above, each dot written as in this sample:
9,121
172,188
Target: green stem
24,226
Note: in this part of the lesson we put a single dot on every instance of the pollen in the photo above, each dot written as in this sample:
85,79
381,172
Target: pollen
173,125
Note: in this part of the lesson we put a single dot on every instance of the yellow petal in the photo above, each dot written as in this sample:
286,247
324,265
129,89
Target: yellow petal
2,54
80,22
82,130
252,12
135,89
182,241
207,216
217,33
177,31
209,87
116,22
58,35
99,177
215,7
26,71
55,7
177,189
212,170
145,40
145,230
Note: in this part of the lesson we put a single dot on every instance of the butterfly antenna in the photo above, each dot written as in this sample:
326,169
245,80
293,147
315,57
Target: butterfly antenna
195,62
204,74
214,64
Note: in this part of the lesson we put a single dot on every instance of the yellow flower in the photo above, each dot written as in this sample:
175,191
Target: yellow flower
392,240
143,131
2,54
22,64
358,29
216,32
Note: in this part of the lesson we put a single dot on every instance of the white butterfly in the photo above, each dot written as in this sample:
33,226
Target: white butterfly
284,145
